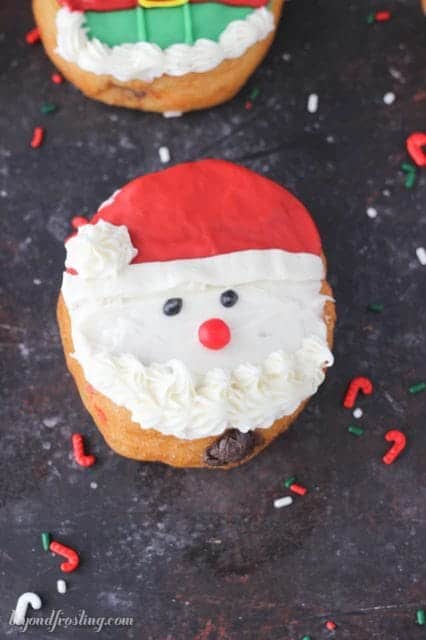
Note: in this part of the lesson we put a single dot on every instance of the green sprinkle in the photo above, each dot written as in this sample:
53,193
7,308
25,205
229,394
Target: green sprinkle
290,481
408,168
417,388
370,18
254,93
421,616
306,638
377,308
45,541
410,180
357,431
48,107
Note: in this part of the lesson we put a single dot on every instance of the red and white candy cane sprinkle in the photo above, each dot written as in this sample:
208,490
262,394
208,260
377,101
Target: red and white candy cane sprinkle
355,386
399,443
37,138
79,454
72,557
416,147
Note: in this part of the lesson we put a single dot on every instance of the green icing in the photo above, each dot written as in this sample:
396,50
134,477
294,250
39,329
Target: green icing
164,25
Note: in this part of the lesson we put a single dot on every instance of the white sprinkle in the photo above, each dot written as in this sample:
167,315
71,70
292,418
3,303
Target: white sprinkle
93,485
357,413
164,154
389,98
3,193
37,281
50,422
312,103
24,600
283,502
173,114
61,586
286,57
371,212
386,193
46,445
421,255
395,73
25,352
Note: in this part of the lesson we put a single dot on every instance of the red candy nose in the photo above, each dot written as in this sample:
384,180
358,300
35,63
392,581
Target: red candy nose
214,333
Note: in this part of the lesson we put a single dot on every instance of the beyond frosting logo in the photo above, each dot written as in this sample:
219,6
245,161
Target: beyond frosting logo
58,619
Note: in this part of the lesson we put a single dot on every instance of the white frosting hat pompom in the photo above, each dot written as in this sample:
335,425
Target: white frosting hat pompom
99,250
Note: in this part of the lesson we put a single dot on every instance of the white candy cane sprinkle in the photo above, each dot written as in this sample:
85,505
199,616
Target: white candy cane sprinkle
421,255
61,586
389,97
164,154
24,600
371,212
283,502
357,413
313,103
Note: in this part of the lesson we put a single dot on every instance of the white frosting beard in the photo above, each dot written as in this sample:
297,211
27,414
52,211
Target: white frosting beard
155,366
146,61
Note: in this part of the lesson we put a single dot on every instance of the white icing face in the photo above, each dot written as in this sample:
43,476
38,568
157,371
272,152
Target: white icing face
151,349
267,316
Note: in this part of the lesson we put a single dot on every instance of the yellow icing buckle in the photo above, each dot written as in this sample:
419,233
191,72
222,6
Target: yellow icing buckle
148,4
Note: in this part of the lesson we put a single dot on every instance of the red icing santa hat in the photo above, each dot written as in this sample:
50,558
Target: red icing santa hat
212,222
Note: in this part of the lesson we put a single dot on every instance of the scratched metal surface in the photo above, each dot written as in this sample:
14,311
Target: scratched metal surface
203,555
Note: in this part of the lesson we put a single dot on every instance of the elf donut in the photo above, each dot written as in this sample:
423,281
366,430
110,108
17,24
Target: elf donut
158,55
195,315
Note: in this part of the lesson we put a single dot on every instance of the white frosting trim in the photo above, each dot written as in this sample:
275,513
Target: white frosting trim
146,61
227,269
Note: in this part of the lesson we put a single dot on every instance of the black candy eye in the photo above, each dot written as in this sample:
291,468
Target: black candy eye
229,298
172,306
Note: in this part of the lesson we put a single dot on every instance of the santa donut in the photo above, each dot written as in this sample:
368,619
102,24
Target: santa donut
158,55
195,315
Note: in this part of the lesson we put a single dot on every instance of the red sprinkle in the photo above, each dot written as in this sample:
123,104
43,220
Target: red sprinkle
78,447
248,105
297,488
399,443
382,16
79,221
416,145
37,138
330,625
355,386
73,559
57,78
33,36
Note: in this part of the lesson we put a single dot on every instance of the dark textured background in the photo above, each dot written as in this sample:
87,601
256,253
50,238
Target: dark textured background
203,555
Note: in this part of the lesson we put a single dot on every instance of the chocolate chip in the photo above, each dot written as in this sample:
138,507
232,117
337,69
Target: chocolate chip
233,446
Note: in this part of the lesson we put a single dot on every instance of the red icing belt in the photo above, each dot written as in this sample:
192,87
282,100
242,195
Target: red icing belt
221,208
113,5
